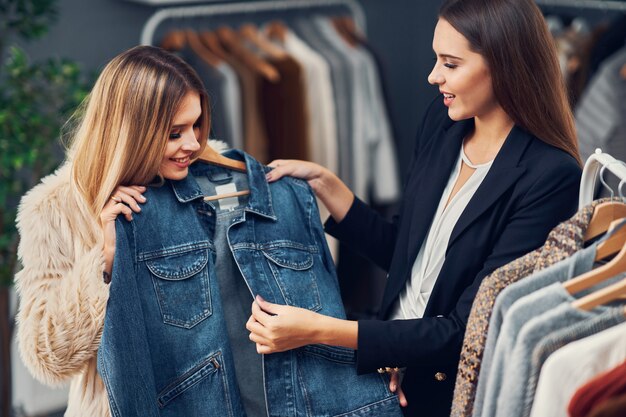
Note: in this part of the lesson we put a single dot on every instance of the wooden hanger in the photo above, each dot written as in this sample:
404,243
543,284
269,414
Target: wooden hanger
605,295
615,243
209,155
232,42
174,40
211,41
349,25
250,32
198,48
339,26
277,30
603,215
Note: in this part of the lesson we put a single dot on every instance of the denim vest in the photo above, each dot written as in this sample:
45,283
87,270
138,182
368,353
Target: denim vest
165,350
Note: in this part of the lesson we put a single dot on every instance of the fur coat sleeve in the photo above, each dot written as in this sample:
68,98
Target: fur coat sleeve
62,294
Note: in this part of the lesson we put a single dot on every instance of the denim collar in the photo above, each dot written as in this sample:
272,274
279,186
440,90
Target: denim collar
260,200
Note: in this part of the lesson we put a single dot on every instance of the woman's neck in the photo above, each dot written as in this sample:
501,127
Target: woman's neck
489,134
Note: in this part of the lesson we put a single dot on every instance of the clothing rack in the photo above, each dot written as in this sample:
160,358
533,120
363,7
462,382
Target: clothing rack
587,4
149,29
595,163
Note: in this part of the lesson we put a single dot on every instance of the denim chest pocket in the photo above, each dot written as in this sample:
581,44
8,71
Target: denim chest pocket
181,283
292,269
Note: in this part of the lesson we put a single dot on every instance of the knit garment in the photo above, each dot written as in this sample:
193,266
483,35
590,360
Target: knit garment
563,241
556,340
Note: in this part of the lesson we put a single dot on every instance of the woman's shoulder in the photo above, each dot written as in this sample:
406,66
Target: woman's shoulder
543,157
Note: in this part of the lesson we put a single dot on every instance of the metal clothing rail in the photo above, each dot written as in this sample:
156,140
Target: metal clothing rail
587,4
593,165
147,33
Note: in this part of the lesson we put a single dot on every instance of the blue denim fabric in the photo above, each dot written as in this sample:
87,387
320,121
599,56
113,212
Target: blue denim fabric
164,349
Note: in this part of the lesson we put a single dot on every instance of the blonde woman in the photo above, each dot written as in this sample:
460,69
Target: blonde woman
182,272
147,115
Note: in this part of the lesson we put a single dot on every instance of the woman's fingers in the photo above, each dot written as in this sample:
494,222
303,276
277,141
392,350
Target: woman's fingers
394,386
129,199
259,315
294,168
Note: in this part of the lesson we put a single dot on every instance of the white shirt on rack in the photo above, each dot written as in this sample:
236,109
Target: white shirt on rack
413,299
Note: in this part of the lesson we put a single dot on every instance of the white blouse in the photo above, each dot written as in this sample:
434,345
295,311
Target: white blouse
413,299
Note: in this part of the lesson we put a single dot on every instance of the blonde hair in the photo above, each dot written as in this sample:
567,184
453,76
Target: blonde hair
123,126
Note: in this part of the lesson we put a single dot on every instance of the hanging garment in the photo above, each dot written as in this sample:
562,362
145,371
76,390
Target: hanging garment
600,121
373,153
563,241
321,113
165,333
283,104
603,387
343,93
323,126
224,92
255,141
575,364
556,340
515,387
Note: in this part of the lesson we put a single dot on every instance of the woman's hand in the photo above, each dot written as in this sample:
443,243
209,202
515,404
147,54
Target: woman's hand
277,328
316,175
333,193
395,386
124,200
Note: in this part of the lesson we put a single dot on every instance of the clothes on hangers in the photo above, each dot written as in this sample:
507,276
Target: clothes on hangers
563,241
373,153
515,385
224,97
556,340
573,365
284,110
343,90
255,140
600,121
509,364
321,105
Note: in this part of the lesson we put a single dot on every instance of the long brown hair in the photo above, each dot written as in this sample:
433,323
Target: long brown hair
513,38
123,126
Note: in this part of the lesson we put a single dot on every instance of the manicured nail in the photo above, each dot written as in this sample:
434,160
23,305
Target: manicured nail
393,388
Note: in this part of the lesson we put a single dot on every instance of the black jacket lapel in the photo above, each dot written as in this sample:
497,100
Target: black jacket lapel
503,174
432,181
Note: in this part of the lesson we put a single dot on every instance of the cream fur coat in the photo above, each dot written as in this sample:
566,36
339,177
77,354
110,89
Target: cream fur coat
62,295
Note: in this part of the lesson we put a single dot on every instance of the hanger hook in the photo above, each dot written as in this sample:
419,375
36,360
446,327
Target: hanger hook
622,182
602,178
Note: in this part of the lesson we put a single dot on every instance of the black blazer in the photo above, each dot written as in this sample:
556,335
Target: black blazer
530,188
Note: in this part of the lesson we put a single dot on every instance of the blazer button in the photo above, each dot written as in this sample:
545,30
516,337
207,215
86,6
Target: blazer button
440,376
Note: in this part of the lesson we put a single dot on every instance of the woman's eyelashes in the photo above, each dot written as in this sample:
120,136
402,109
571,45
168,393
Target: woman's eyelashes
177,134
446,64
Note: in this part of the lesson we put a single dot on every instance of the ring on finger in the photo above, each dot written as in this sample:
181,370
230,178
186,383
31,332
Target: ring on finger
116,199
